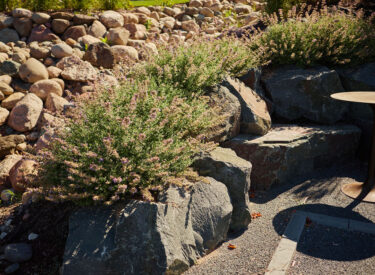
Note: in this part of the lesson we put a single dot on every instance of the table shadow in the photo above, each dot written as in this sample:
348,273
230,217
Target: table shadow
325,242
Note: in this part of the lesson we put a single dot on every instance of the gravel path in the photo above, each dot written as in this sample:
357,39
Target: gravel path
327,250
320,193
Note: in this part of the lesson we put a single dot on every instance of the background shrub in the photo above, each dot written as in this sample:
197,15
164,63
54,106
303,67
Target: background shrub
318,38
201,64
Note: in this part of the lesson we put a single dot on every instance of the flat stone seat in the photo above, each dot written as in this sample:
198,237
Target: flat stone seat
287,151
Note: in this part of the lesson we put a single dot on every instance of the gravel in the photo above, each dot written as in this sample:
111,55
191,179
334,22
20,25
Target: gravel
328,250
319,193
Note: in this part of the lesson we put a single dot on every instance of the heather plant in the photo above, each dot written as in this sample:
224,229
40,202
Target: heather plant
317,37
130,142
192,68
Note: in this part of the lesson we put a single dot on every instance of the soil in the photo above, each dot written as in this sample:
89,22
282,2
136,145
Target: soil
48,220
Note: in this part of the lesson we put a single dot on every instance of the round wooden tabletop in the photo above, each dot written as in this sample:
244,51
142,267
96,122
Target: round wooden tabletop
360,97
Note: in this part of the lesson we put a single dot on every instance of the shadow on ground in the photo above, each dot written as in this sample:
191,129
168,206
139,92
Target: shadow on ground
316,185
328,242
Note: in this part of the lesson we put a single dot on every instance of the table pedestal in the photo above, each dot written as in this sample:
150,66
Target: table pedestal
365,191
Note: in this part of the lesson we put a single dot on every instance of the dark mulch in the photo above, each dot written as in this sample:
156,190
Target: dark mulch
48,220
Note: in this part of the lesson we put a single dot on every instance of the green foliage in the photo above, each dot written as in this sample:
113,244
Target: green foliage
104,40
202,64
285,5
318,38
148,24
127,142
44,5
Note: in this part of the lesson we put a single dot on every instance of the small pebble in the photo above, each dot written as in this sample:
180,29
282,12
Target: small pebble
3,235
32,236
8,222
12,268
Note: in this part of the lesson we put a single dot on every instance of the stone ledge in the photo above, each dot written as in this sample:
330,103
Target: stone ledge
287,151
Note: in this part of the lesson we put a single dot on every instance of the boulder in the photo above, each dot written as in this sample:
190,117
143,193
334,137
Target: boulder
5,21
24,116
41,33
6,165
61,50
227,107
190,25
123,53
6,79
82,19
20,12
171,234
9,143
73,68
45,87
12,100
87,40
55,103
100,55
97,29
4,113
62,15
38,52
8,35
74,32
6,89
53,72
112,19
118,36
9,67
130,18
225,166
289,151
22,174
23,26
59,26
32,71
18,252
359,78
40,17
255,118
305,94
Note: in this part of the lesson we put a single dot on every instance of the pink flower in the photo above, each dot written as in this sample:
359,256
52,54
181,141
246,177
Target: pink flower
142,136
122,188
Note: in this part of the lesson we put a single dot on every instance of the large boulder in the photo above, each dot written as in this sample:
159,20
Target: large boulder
305,94
32,71
10,68
149,238
227,106
74,68
360,78
97,29
9,143
288,151
255,118
225,166
74,32
100,55
24,116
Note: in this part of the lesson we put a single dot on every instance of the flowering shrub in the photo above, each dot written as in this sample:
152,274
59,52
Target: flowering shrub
318,38
201,64
128,142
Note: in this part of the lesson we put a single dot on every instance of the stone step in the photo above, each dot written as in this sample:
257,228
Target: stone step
287,151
